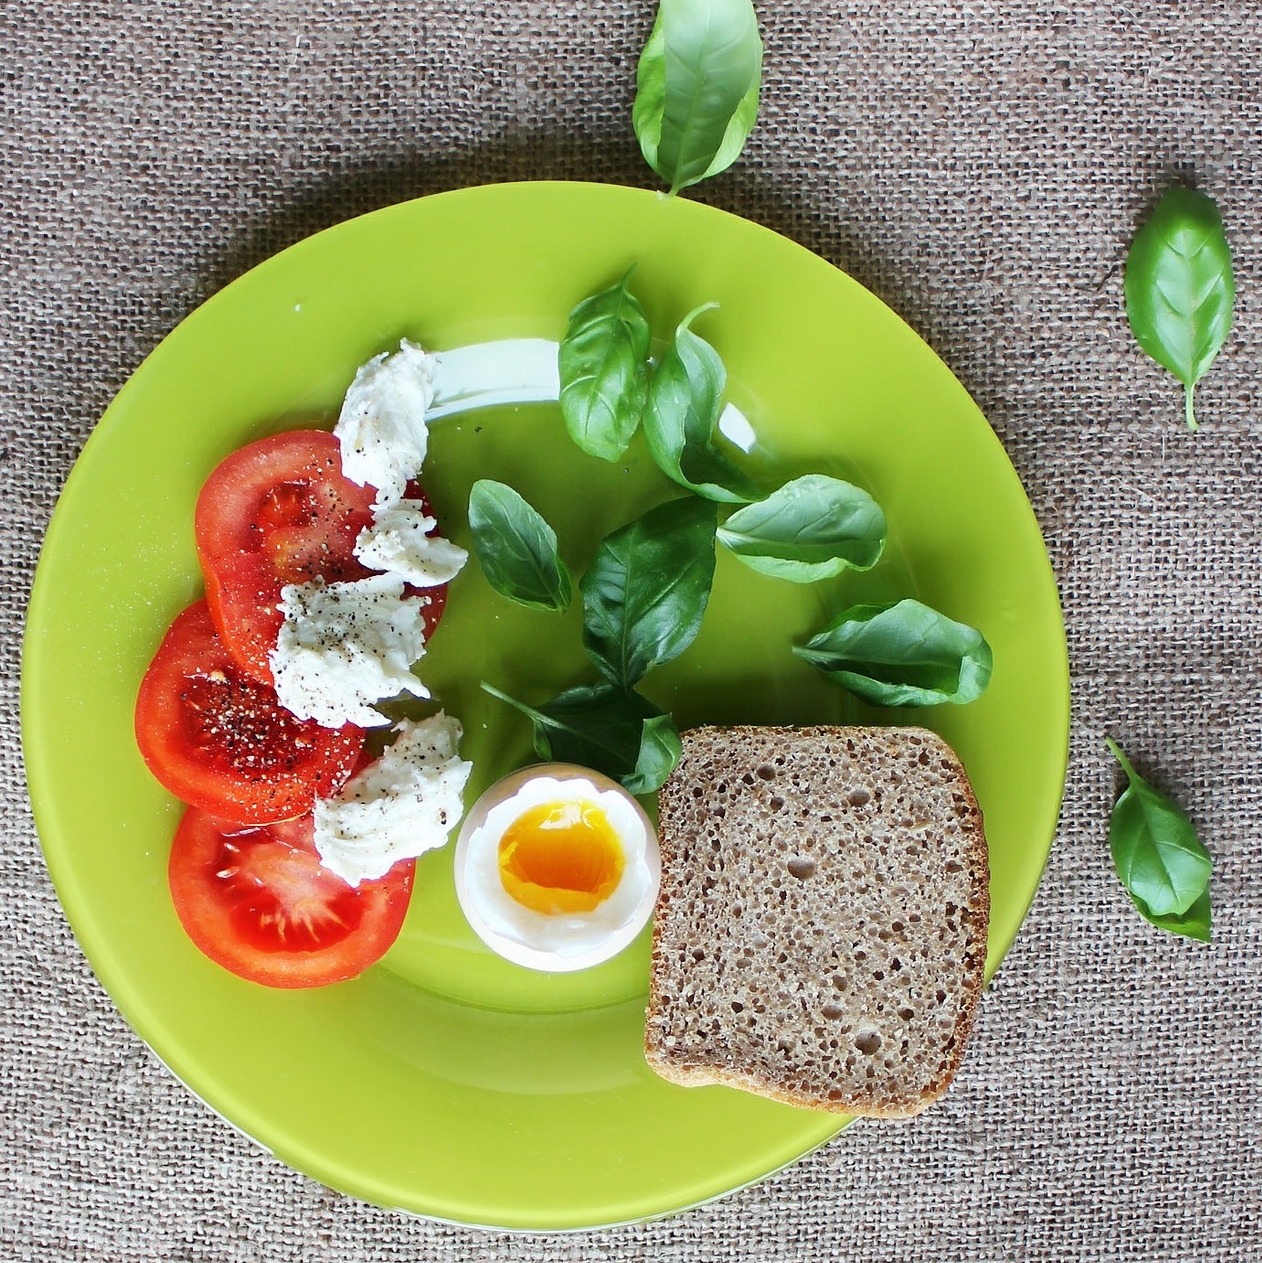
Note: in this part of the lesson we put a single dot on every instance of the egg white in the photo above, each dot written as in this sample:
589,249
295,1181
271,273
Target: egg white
557,942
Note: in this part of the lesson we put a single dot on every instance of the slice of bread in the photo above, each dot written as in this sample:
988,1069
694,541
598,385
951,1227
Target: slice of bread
820,936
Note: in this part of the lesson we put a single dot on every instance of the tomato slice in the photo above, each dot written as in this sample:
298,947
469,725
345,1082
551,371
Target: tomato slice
280,511
258,902
220,740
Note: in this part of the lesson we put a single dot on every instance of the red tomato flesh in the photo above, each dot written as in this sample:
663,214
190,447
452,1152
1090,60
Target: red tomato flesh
220,740
281,511
277,511
258,902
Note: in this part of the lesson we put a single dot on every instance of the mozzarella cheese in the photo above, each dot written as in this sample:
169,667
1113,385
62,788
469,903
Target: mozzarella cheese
381,427
402,805
399,541
345,646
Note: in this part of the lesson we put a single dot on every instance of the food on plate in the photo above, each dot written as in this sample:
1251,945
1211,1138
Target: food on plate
343,647
557,868
398,807
820,935
381,427
280,512
218,739
257,901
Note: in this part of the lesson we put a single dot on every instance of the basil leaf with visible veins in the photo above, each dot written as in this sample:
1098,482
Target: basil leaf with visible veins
684,401
1160,860
812,528
618,733
697,88
646,589
901,654
603,364
516,548
1179,287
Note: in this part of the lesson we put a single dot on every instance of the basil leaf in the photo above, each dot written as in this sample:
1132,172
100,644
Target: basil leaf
901,654
646,589
684,402
812,528
1179,287
660,749
1194,923
603,364
697,88
516,548
1162,863
617,733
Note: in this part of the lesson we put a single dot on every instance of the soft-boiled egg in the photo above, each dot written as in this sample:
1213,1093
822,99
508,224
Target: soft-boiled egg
557,868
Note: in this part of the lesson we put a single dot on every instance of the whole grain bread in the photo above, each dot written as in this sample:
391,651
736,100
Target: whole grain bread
820,936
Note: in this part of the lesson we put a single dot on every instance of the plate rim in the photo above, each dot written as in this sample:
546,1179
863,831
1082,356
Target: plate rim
188,327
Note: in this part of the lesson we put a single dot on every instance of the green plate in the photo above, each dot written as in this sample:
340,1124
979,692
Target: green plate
445,1081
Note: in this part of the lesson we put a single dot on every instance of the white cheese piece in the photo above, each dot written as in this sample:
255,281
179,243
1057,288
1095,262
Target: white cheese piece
344,646
404,804
381,427
398,541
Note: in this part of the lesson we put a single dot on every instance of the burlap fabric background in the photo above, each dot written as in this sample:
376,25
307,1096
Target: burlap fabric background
982,168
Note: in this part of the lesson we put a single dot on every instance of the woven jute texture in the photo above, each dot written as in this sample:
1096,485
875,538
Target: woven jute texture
982,168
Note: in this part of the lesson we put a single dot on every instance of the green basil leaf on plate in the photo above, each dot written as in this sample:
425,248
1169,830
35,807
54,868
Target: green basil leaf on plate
1179,287
660,750
901,653
1160,860
603,364
680,422
516,548
612,731
697,88
811,528
646,589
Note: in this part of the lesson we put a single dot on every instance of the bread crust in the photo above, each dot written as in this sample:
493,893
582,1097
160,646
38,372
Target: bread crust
713,1061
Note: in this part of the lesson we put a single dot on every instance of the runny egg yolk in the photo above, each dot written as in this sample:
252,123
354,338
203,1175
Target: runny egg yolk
561,857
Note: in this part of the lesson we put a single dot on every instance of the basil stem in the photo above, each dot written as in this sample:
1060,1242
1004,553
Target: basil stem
697,88
646,589
1160,860
516,548
684,401
603,363
901,654
811,528
615,732
1179,287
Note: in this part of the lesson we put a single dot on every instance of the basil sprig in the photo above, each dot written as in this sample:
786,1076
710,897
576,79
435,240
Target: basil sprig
516,548
646,589
901,653
684,401
810,529
1160,860
611,730
603,364
697,88
1179,287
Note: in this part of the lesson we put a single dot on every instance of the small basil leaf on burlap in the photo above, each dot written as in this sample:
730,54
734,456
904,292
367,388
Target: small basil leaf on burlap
901,653
1179,287
1194,923
618,733
516,548
603,364
684,402
646,589
1160,860
811,528
697,88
